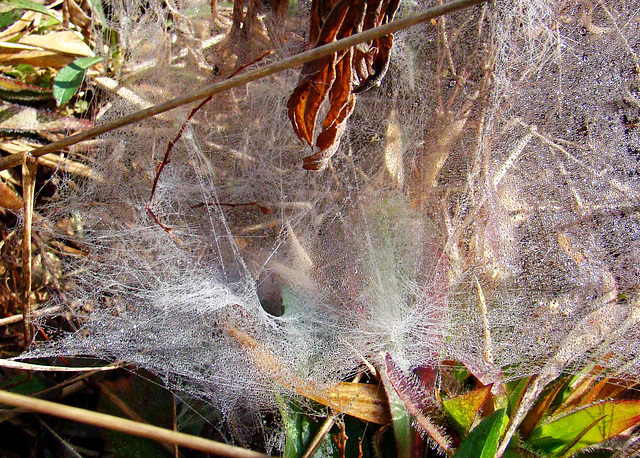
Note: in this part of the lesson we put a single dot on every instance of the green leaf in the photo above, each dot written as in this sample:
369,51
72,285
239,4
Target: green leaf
293,445
98,11
515,390
483,440
300,429
23,384
463,409
69,78
8,18
400,419
9,5
585,427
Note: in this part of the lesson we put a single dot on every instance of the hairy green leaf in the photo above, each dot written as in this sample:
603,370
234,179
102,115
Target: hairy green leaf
17,91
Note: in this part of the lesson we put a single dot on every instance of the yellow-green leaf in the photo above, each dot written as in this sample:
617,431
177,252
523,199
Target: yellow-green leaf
463,409
585,427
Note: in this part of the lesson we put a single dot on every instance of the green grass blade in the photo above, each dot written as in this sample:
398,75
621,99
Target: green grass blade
483,439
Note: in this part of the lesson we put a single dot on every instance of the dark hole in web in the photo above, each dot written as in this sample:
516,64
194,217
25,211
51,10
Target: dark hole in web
270,295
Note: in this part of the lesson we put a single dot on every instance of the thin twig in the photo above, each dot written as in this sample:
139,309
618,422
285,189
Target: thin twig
19,317
125,426
254,75
172,143
324,429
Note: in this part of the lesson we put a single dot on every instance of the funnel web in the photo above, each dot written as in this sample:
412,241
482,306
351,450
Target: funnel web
482,207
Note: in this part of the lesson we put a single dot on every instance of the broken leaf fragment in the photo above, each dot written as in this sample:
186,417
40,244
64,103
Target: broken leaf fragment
9,198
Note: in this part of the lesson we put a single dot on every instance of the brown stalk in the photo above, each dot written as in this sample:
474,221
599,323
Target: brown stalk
125,426
254,75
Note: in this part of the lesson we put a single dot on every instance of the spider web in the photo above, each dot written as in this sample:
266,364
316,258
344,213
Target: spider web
482,207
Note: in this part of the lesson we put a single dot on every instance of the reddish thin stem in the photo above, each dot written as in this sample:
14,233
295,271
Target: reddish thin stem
166,158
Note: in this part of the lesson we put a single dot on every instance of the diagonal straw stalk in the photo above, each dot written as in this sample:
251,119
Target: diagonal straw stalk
241,80
125,426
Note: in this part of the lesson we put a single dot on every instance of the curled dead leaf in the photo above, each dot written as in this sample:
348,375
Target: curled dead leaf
339,76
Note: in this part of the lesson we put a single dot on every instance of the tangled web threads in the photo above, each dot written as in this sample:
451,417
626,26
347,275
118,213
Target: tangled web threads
482,205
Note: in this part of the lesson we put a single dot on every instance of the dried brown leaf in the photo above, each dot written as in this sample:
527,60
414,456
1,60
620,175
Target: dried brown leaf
66,42
306,99
341,104
316,79
20,53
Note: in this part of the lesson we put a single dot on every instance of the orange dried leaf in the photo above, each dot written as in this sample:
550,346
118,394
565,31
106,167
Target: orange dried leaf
307,98
360,400
341,103
335,76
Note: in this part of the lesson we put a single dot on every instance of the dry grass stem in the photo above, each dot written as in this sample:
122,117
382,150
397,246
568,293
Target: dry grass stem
488,345
319,437
254,75
36,313
29,169
125,426
10,364
128,411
